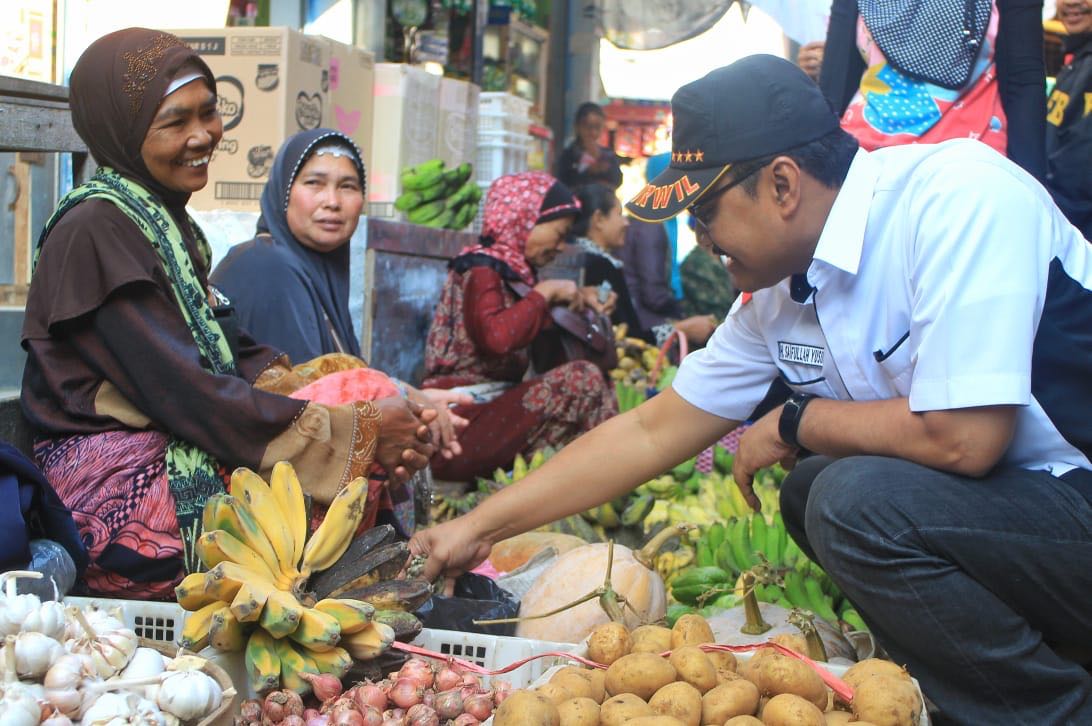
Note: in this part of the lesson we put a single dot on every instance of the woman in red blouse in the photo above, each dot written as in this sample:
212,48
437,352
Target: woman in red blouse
482,331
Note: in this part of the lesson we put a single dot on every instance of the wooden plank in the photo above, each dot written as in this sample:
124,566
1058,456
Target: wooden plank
36,125
385,235
24,88
20,247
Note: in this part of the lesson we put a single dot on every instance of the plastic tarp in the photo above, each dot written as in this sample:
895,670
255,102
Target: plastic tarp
651,25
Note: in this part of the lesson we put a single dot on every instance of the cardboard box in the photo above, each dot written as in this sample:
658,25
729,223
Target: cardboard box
457,130
272,83
405,130
352,105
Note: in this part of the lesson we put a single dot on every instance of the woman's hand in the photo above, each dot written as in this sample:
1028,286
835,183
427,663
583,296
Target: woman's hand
445,428
590,294
452,548
697,328
405,443
561,292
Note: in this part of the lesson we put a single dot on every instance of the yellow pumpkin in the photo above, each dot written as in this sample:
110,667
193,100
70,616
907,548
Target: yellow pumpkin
582,570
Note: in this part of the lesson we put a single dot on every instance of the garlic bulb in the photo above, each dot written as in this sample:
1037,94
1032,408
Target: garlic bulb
189,694
64,682
15,608
18,706
101,620
110,652
146,662
56,719
147,713
110,706
34,653
48,619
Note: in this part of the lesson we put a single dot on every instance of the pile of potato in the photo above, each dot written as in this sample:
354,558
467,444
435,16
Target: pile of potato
694,688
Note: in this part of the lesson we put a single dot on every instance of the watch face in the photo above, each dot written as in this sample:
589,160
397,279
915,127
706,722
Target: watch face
409,13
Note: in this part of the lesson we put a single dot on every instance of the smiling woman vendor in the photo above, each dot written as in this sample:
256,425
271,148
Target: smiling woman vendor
144,393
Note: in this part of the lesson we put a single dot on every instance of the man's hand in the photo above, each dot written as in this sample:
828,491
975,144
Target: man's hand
810,59
405,443
760,446
445,428
452,547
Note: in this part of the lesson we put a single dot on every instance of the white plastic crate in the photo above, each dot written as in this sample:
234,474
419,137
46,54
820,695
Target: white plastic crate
496,651
503,104
159,622
499,154
493,123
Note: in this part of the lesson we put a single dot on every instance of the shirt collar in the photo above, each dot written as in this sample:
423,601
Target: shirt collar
842,240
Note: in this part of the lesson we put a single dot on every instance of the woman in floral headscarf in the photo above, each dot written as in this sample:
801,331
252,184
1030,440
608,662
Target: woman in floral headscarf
482,331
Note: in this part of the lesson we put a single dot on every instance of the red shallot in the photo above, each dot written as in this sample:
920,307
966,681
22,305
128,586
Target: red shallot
318,719
250,710
325,685
422,715
449,704
447,678
293,721
346,717
465,720
501,691
372,716
278,705
406,693
368,694
480,706
417,670
469,679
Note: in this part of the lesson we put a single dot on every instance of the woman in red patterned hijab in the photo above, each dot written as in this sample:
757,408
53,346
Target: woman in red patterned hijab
483,328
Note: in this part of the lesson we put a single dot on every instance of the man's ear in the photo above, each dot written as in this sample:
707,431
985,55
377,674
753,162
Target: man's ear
785,179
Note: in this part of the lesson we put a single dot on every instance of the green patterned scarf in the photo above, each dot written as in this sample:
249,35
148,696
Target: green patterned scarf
192,474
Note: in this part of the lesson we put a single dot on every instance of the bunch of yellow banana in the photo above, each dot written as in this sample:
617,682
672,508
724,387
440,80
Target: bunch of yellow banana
259,557
670,564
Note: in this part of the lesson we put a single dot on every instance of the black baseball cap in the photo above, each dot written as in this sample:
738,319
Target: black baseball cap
757,106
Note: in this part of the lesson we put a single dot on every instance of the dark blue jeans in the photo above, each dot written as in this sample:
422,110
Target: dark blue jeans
965,581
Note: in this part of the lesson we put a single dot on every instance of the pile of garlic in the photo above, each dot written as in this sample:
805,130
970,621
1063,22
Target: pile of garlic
65,666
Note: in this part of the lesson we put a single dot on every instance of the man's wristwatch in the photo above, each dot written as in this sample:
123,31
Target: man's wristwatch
791,413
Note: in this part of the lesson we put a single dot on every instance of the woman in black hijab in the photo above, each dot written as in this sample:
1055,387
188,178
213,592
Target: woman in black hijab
290,284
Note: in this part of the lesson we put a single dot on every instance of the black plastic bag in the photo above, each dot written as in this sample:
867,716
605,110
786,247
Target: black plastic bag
476,598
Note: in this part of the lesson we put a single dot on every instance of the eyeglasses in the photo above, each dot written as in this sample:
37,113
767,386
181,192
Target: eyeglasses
704,211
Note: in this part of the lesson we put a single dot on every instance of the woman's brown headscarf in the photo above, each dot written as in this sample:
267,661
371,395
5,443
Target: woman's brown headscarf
116,88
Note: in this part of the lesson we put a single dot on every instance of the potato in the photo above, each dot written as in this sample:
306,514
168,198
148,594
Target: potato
654,721
598,680
555,692
574,681
691,629
617,710
728,677
743,721
887,701
650,639
579,712
609,642
748,668
723,661
786,709
778,674
839,718
735,698
694,667
526,708
641,674
792,641
679,700
873,667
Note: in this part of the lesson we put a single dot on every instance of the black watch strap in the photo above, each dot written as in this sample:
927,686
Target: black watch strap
791,413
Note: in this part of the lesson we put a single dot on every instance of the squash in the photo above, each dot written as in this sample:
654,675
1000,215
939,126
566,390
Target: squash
580,571
514,552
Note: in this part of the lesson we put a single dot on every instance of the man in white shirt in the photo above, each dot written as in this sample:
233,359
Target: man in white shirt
931,310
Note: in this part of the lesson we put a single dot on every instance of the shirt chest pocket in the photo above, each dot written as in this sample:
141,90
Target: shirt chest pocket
895,362
805,368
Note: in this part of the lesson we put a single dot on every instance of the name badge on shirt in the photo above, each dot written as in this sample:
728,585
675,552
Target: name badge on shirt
807,355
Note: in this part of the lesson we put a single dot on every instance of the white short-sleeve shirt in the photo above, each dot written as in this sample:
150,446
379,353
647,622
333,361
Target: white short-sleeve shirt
945,274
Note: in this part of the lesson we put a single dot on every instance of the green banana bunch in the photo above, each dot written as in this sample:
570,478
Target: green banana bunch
423,175
426,212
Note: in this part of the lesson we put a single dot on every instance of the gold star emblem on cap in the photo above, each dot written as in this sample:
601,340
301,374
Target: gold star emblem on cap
689,157
699,156
674,157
